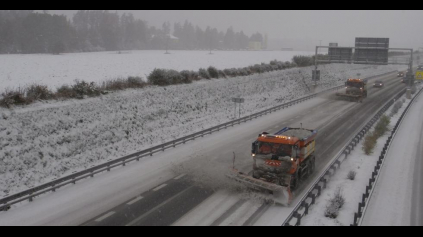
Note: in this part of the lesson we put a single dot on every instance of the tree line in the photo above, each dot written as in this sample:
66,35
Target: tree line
26,31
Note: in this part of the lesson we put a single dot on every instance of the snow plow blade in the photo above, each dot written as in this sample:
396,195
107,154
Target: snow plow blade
280,194
348,96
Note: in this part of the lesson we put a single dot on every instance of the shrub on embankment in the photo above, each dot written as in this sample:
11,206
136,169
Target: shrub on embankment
371,139
79,90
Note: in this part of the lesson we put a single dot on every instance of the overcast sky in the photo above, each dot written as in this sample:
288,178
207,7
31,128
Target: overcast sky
403,27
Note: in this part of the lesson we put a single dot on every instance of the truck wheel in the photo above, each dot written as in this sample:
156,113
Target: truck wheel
294,180
312,166
256,174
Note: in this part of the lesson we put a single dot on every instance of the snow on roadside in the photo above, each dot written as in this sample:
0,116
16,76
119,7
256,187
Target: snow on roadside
49,140
352,190
393,200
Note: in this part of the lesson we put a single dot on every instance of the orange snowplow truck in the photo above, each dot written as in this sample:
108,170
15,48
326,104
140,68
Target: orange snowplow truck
355,90
280,162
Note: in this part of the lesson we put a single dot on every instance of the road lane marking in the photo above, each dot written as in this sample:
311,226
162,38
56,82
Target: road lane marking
160,187
135,200
180,176
105,216
154,209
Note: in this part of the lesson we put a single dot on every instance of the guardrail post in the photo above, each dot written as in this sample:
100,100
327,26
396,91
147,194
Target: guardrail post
298,216
319,190
355,218
306,206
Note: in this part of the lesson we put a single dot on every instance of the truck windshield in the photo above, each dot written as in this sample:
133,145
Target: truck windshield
265,148
354,84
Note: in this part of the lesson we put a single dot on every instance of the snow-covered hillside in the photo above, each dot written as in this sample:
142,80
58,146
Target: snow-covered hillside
47,140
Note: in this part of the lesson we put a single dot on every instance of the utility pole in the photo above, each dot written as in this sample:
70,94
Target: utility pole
210,45
315,69
167,43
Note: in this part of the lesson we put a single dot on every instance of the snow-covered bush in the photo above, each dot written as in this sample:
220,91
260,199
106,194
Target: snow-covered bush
203,73
382,126
302,61
121,84
335,203
243,72
396,108
258,68
187,76
13,97
38,92
158,77
174,76
232,72
82,88
213,72
221,74
290,65
351,175
369,143
65,91
371,139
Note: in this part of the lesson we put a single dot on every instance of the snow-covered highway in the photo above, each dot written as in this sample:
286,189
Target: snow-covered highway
205,161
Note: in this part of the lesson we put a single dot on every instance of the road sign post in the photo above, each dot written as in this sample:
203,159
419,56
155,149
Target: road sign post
239,101
315,75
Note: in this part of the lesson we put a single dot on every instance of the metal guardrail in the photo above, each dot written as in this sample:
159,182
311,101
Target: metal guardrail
301,209
29,194
375,174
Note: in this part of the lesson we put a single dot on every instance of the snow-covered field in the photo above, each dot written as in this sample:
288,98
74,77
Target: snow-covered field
55,70
353,190
49,140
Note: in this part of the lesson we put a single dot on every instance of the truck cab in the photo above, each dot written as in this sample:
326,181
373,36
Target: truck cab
356,87
285,157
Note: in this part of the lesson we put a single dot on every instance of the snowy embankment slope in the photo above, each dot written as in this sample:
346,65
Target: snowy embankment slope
46,141
392,201
19,70
363,165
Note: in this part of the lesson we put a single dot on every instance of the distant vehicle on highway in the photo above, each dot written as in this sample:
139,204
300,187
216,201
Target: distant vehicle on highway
400,74
378,84
420,67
